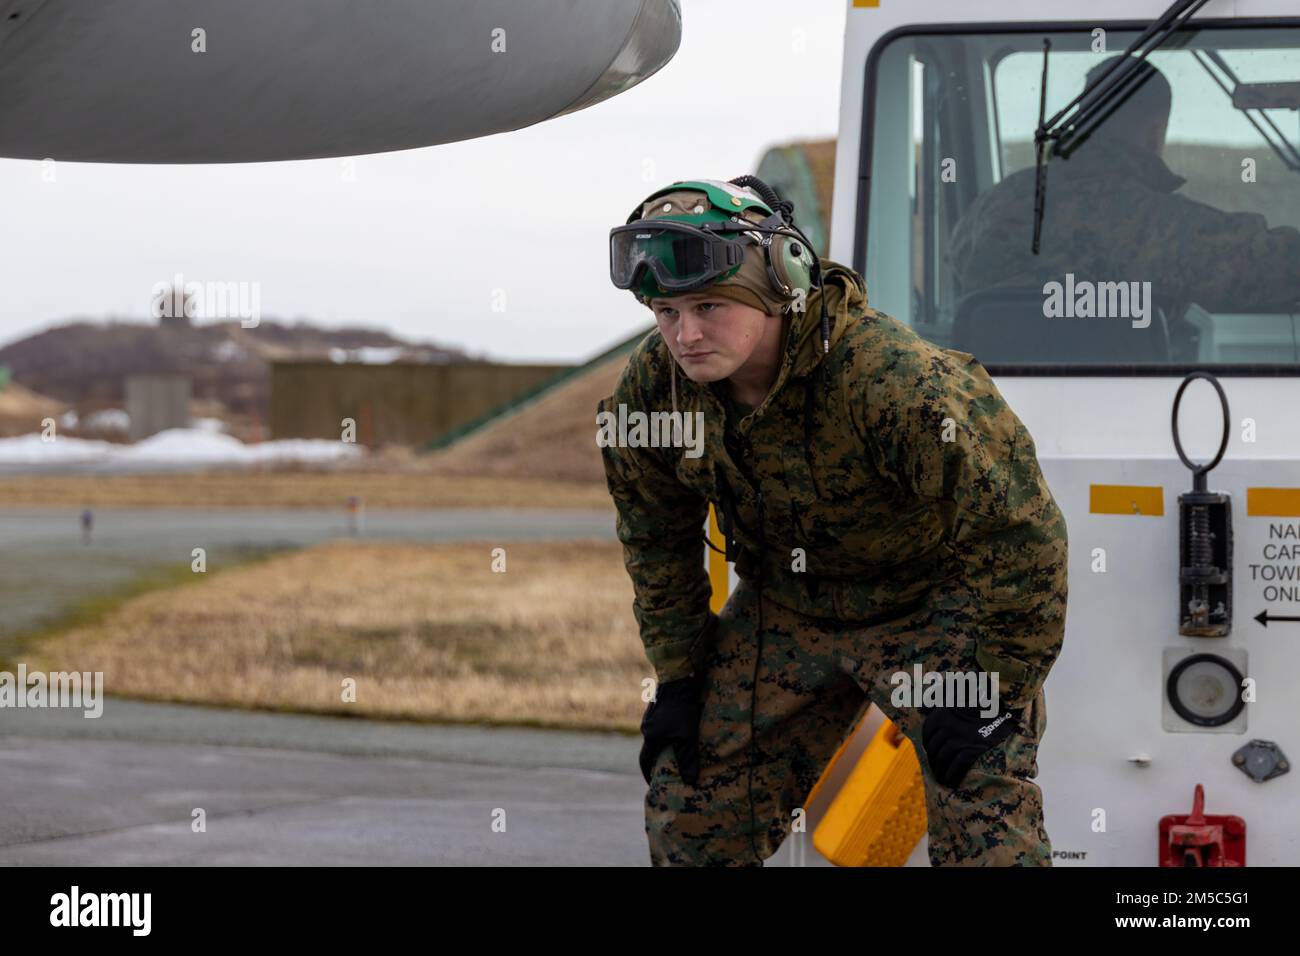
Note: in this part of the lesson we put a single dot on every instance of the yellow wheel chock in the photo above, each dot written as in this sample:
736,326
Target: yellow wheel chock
878,816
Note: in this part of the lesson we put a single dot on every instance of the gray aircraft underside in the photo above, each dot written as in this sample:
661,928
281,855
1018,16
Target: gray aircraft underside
119,80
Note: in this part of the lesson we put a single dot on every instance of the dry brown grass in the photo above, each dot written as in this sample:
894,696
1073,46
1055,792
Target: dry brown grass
428,632
300,489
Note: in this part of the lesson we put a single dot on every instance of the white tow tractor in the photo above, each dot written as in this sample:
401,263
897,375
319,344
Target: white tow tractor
1172,712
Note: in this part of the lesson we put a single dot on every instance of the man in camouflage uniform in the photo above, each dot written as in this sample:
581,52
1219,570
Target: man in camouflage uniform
887,509
1112,213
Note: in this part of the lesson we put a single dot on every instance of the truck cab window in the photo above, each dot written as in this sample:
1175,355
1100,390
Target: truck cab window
1169,234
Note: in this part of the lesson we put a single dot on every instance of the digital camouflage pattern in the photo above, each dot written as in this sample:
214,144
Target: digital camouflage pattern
815,679
888,506
895,468
1112,214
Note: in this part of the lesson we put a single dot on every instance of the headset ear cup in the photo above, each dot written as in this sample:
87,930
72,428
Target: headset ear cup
794,270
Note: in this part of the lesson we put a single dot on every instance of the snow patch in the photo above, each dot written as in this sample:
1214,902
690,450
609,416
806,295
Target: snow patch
173,449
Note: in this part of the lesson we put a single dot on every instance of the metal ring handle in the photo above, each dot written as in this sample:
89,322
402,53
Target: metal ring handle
1227,422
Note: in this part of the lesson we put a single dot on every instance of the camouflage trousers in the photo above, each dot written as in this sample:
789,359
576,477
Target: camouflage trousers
815,679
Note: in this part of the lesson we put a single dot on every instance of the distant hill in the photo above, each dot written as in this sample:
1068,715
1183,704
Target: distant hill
85,363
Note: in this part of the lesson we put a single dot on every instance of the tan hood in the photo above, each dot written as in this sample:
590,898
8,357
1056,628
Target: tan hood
845,292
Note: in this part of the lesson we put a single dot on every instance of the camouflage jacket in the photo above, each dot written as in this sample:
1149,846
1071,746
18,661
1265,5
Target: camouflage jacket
1111,214
846,459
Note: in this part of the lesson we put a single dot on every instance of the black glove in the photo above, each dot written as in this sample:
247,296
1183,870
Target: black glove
673,717
955,737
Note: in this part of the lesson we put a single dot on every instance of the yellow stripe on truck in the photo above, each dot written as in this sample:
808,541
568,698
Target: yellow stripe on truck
1126,500
1273,502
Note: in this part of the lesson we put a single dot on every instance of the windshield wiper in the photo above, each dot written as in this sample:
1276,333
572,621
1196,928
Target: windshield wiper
1281,146
1066,133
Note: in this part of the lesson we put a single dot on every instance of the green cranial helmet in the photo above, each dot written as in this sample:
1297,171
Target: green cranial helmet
693,234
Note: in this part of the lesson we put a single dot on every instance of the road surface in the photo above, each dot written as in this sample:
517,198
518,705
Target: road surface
316,791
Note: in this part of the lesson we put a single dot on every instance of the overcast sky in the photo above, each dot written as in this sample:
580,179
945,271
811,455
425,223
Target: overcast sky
419,240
